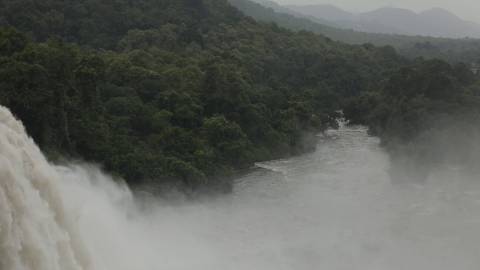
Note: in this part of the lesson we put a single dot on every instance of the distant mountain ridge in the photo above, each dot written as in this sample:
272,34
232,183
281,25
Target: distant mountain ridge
325,11
286,10
449,49
435,22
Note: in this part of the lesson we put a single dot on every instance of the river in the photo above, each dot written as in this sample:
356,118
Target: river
333,209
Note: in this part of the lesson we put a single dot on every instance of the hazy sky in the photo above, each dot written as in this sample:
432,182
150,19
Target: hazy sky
467,9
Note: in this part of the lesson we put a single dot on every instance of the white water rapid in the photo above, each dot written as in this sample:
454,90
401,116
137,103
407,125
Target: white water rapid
335,209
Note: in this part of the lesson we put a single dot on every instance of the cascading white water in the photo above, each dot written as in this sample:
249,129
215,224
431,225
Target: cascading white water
35,231
336,208
69,217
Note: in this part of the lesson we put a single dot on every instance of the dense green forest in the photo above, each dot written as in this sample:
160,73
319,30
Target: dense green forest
187,92
451,50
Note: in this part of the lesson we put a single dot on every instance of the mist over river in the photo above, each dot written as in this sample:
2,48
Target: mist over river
336,208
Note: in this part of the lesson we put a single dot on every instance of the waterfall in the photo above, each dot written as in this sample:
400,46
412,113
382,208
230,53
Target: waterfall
35,230
338,210
75,217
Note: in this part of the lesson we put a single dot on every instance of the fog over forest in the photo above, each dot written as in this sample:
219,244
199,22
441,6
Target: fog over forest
467,9
235,135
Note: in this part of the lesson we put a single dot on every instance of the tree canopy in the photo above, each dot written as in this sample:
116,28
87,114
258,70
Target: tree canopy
182,92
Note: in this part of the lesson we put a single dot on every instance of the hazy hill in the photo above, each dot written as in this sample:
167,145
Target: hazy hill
435,22
274,6
324,11
453,50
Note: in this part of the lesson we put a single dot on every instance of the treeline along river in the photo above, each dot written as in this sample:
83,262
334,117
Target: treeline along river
336,208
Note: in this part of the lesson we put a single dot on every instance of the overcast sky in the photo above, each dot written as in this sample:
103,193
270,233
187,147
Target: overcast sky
467,9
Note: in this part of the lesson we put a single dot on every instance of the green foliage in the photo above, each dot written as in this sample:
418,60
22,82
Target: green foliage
186,92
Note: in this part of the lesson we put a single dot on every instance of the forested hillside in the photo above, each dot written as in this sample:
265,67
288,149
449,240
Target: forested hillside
182,92
427,115
451,50
188,92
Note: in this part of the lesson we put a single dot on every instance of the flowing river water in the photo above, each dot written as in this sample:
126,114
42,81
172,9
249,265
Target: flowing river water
336,208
